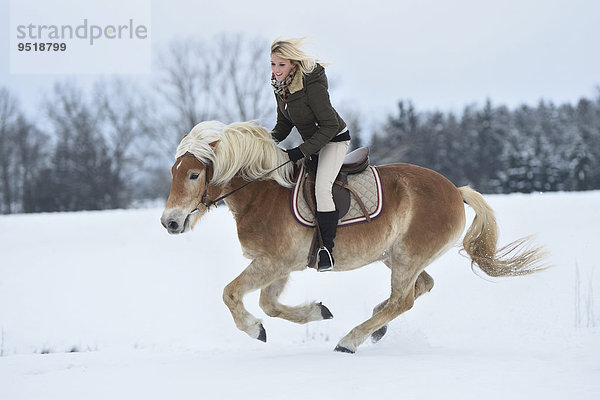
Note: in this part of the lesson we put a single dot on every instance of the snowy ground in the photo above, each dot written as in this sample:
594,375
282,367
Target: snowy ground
107,305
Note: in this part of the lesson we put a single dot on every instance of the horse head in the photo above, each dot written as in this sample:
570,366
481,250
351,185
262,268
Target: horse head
209,157
189,194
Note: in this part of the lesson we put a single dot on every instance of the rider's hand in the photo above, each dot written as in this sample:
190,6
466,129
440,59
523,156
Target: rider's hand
295,154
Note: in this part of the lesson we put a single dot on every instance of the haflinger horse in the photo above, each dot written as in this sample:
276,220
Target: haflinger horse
423,217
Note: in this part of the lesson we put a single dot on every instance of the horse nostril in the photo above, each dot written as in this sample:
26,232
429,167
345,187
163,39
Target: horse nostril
173,225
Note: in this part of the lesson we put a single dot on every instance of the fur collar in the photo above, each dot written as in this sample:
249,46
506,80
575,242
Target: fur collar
296,84
318,74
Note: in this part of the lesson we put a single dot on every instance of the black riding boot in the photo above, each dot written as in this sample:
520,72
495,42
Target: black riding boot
328,224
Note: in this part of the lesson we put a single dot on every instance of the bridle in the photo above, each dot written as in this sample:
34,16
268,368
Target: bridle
205,194
209,203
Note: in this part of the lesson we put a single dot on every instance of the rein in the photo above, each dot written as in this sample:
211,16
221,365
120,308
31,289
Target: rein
203,200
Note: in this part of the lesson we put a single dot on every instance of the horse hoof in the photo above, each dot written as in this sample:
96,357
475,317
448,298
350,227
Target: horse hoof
378,334
262,336
343,349
325,313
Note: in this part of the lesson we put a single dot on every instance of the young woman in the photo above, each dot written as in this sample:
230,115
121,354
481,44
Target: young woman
302,96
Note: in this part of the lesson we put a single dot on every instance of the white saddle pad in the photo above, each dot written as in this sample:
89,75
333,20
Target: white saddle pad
368,186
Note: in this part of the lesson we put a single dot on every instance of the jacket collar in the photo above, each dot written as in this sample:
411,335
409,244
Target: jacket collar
297,83
318,74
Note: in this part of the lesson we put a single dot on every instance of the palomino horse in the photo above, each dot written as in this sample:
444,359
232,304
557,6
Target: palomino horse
423,217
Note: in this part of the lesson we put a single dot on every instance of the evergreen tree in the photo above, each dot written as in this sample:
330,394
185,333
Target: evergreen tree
496,150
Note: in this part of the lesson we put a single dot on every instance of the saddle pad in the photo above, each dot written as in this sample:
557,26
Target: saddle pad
368,186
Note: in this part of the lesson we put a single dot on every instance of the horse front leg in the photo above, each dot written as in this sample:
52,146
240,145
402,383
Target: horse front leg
269,302
258,274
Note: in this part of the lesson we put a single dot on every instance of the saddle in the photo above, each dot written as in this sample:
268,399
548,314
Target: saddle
354,163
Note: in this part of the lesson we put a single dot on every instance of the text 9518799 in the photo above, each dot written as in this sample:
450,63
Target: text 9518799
41,46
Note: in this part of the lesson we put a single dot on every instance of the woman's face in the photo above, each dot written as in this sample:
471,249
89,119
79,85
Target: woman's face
281,67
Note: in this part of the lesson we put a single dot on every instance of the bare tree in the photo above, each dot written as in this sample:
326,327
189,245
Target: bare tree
355,121
32,152
242,86
135,134
187,75
23,151
82,174
226,78
9,115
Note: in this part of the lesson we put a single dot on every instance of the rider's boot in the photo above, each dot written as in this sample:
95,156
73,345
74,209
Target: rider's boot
328,225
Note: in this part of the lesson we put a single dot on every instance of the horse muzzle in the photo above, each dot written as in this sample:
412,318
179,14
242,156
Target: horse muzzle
175,221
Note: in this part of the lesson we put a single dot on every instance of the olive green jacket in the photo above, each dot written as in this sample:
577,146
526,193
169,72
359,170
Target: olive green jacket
308,109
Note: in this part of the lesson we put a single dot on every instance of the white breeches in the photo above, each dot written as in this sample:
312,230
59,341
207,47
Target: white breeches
331,158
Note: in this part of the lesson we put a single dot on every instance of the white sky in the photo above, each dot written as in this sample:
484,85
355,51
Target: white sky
440,54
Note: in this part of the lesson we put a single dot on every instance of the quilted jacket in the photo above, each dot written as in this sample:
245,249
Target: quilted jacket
308,109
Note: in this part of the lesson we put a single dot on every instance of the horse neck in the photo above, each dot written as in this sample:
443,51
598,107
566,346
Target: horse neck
258,195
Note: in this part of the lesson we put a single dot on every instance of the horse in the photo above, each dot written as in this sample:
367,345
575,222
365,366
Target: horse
423,216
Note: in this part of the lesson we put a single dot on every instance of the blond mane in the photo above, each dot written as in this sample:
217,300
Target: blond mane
243,148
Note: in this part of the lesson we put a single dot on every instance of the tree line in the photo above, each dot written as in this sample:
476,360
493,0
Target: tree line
113,144
498,150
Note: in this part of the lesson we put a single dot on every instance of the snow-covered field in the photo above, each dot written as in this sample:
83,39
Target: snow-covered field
107,305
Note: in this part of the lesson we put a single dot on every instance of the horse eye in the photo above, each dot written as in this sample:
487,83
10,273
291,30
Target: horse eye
194,176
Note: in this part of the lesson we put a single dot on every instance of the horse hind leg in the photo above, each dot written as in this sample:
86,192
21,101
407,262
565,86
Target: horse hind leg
423,285
269,302
401,299
379,333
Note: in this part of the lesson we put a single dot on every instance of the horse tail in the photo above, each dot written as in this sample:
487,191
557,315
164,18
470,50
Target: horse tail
517,258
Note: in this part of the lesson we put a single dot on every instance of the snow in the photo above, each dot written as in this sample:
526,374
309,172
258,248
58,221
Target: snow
107,305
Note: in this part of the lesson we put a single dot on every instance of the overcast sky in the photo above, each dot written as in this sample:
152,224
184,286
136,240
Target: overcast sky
441,54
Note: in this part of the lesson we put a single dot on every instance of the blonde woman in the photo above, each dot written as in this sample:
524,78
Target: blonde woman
301,91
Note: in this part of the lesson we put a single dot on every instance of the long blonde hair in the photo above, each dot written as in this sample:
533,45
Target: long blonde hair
290,49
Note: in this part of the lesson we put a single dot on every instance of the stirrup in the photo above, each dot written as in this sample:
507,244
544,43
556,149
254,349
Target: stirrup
327,267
